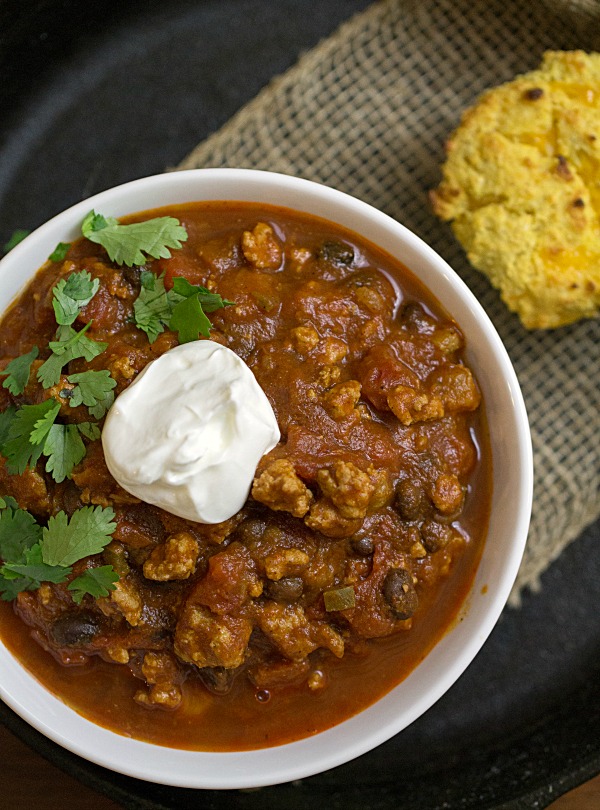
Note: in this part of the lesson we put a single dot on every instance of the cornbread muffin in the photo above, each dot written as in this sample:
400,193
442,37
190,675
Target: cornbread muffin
521,186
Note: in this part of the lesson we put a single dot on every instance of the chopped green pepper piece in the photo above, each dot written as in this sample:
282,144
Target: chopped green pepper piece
340,599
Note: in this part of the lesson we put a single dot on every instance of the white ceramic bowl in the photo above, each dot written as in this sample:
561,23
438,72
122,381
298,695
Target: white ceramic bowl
511,507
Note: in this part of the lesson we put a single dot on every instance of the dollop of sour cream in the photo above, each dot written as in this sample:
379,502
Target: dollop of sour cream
189,431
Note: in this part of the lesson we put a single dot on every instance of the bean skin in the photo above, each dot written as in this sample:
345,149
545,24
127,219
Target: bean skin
399,593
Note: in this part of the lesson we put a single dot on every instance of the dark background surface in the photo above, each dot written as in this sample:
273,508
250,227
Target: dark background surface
94,94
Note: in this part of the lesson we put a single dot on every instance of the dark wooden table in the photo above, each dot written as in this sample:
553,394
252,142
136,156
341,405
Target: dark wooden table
29,781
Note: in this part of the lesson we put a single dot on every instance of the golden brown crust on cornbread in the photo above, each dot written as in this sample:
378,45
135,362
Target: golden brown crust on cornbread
521,186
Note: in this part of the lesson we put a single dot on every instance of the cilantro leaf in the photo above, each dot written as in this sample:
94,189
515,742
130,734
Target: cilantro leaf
71,294
64,449
60,252
90,430
96,222
32,554
6,502
87,532
148,279
127,244
16,237
190,302
95,581
152,308
50,370
18,371
182,309
94,389
10,588
35,569
76,344
69,346
18,533
210,301
18,448
44,424
189,320
6,418
33,431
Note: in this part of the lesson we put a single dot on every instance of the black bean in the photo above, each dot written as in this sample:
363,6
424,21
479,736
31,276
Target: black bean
363,546
362,278
414,316
75,629
411,500
132,275
287,589
217,680
336,253
146,519
435,535
399,592
160,619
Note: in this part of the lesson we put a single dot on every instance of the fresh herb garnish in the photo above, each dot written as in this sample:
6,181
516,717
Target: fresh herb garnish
18,531
64,449
95,581
94,389
44,424
27,431
127,244
6,418
182,309
16,237
18,371
60,252
31,431
152,308
87,532
190,303
90,430
33,554
71,294
69,346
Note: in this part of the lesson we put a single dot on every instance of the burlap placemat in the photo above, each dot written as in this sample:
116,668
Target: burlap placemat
367,111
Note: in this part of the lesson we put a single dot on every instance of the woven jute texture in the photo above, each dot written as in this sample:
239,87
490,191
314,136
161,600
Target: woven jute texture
367,111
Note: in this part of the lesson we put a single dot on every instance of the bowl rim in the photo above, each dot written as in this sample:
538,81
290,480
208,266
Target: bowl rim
347,740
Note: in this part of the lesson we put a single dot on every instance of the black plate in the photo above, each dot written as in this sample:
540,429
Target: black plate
93,94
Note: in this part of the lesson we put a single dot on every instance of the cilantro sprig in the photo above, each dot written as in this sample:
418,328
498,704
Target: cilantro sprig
59,253
183,308
31,431
26,434
94,389
70,345
71,294
18,371
127,244
32,554
95,581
